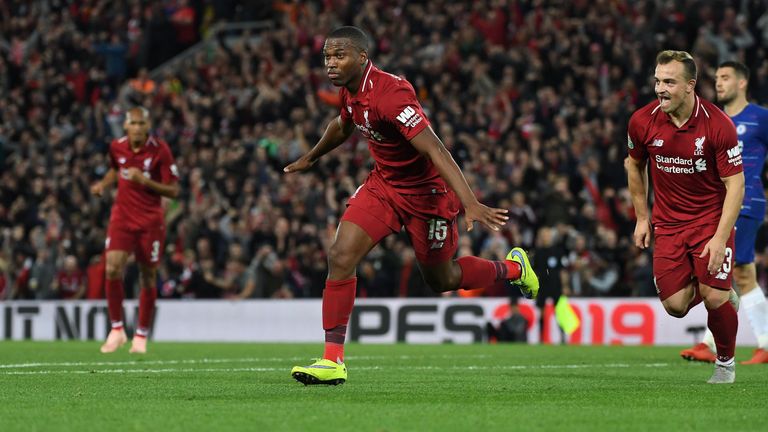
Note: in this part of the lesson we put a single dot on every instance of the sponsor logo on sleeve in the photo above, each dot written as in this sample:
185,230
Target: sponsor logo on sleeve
734,154
409,117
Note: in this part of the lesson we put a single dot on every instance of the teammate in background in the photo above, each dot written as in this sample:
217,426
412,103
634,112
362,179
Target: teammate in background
699,187
145,172
751,121
415,183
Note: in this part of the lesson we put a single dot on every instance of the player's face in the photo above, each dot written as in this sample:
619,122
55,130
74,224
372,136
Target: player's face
726,84
343,62
672,86
136,126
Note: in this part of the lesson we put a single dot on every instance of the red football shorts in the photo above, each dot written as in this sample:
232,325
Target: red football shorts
676,261
429,219
147,245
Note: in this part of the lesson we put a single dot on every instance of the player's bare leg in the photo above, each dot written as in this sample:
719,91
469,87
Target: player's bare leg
679,303
147,297
116,261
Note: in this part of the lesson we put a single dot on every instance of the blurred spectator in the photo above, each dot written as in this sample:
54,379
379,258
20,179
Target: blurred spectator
513,328
70,280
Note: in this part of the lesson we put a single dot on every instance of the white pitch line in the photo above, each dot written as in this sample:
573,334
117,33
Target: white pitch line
214,361
148,362
277,369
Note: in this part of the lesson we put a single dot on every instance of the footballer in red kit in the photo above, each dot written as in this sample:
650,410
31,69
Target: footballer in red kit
691,149
415,185
144,169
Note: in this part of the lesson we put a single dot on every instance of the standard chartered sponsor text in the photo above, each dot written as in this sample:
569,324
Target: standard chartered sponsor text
674,160
687,167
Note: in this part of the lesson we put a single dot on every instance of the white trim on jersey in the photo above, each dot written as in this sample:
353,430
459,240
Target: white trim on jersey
365,78
700,105
123,139
655,109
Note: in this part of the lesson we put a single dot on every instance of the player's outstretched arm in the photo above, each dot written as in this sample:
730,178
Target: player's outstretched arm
429,145
637,178
336,133
106,181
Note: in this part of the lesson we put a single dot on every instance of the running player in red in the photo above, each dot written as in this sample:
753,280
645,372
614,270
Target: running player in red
415,184
698,179
145,171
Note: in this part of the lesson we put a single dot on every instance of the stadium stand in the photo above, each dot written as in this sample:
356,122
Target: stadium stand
531,97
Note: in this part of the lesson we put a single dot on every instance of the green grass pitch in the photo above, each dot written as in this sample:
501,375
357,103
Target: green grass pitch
70,386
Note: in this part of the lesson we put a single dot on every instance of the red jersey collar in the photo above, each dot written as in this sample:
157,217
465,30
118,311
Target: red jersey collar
698,109
366,84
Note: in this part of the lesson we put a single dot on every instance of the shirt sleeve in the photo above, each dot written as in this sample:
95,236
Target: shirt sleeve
727,151
403,111
169,172
636,139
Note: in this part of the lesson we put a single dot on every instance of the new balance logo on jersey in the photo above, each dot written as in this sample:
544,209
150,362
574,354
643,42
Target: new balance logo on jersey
699,143
121,160
436,245
657,143
701,165
721,276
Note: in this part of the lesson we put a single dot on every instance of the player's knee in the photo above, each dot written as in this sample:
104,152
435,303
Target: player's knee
114,270
148,279
675,310
341,261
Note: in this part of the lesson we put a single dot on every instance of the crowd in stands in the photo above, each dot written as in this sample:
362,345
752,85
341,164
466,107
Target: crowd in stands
532,98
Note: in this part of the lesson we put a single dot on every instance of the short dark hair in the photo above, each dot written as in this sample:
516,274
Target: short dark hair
358,37
741,69
683,57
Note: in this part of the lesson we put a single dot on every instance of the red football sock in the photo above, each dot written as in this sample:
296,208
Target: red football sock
115,296
147,297
724,323
338,301
481,273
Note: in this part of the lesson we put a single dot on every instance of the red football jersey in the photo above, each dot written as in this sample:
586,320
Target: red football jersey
385,110
686,163
138,207
69,283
